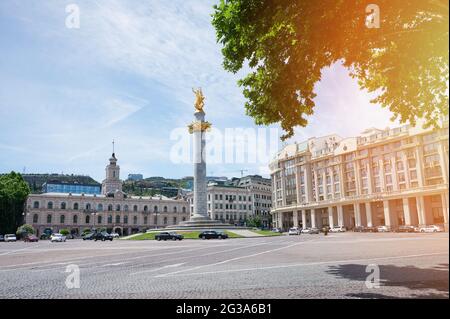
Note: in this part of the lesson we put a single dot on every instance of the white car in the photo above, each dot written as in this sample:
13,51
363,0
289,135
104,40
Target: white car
383,229
310,231
422,229
58,238
294,231
10,237
338,229
115,235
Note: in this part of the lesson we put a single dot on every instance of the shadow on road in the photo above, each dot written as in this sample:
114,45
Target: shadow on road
416,279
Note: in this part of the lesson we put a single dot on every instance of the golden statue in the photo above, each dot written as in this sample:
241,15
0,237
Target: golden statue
199,99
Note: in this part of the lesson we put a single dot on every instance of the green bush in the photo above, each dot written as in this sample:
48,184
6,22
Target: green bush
24,230
64,232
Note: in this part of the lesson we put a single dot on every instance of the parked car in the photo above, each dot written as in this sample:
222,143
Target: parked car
430,229
45,236
102,236
338,229
2,238
89,236
359,229
277,230
405,229
294,231
310,231
212,234
115,235
10,237
370,229
30,239
58,238
168,236
383,229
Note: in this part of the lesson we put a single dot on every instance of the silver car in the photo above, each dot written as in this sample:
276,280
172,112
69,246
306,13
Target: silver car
58,238
10,237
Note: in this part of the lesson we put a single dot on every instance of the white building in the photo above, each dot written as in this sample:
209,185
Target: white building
113,210
382,177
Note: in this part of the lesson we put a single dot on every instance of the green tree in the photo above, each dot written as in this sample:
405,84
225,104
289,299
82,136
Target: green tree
13,193
254,221
287,43
25,229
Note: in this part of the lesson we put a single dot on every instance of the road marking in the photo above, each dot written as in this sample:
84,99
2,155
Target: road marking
157,269
174,274
14,251
231,259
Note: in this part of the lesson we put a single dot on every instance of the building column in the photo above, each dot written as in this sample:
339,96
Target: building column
357,210
340,211
369,214
295,216
420,201
313,218
406,211
304,219
444,197
308,182
324,183
443,160
387,213
330,217
419,169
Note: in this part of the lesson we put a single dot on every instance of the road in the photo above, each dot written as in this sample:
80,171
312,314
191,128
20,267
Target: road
305,266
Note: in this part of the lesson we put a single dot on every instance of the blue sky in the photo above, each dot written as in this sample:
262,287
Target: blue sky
126,74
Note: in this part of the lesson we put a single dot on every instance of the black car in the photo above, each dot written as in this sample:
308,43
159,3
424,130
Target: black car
2,238
89,236
358,229
405,229
168,236
103,236
212,234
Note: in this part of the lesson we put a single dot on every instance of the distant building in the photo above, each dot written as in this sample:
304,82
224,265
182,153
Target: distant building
135,177
66,188
113,209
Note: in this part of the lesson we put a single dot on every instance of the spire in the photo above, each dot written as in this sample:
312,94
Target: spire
113,152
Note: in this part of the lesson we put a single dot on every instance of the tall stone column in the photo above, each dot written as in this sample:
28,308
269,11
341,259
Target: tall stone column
340,211
200,200
369,214
295,215
330,217
357,210
313,218
420,202
406,211
444,197
304,219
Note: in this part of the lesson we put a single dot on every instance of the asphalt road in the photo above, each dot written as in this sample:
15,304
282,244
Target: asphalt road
305,266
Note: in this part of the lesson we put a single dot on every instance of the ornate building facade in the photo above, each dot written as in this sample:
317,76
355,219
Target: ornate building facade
113,209
386,177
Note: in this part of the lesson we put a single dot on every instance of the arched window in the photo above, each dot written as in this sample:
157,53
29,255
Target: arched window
174,220
165,220
145,220
49,219
63,205
125,219
135,208
118,219
125,208
175,209
109,219
62,219
100,207
117,208
155,209
36,205
50,205
88,219
75,206
134,220
35,218
75,219
165,209
88,206
184,209
110,208
184,219
145,208
99,219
